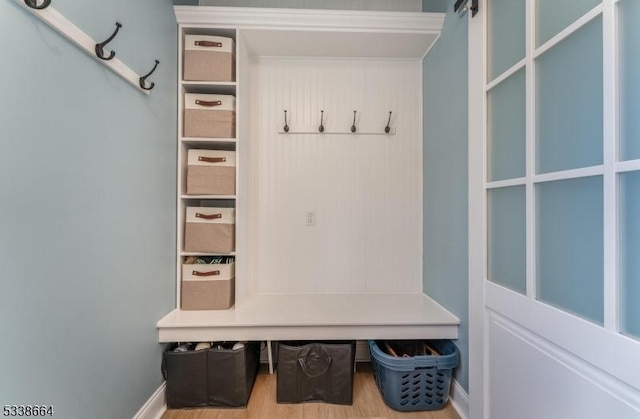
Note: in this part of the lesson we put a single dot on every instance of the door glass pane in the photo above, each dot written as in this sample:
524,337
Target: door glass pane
552,16
569,102
629,15
507,237
569,245
506,32
507,131
630,253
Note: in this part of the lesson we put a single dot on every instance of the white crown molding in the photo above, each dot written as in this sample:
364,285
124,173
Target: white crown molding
347,20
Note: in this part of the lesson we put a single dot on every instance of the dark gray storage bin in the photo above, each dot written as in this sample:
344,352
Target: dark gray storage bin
186,376
210,377
315,371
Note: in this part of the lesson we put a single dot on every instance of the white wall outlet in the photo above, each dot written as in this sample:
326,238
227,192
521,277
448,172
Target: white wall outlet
310,219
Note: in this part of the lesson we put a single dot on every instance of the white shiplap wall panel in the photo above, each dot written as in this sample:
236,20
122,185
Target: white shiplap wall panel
366,190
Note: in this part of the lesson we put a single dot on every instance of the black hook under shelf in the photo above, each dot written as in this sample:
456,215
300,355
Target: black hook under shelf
353,126
101,45
321,127
34,4
286,127
387,129
143,79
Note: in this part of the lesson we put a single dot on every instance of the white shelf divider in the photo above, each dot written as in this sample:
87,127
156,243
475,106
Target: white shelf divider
66,28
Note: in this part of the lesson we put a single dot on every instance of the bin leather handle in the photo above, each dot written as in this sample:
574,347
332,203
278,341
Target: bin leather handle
208,103
208,273
212,159
208,216
208,44
316,356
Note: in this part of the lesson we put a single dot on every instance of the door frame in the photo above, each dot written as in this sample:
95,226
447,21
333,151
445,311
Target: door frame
478,408
580,342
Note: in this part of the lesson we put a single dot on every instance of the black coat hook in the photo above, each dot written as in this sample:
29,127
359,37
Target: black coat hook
286,127
34,4
353,127
143,79
321,127
387,129
101,45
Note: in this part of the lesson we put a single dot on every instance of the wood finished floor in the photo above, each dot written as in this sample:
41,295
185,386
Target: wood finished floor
367,403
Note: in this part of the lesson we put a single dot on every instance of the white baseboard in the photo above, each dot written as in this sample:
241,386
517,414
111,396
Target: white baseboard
459,399
155,407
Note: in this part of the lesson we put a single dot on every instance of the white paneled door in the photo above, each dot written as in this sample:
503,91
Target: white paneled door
554,193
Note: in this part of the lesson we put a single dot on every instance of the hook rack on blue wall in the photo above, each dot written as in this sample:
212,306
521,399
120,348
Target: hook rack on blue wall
45,12
143,84
100,47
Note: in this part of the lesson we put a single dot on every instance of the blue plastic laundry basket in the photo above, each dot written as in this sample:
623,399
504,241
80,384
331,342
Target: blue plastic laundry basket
418,382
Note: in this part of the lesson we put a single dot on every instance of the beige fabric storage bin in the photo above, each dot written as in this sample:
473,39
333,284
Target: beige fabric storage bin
208,287
211,172
209,58
211,116
210,230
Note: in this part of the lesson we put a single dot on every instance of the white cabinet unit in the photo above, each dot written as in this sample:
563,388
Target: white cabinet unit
328,210
207,169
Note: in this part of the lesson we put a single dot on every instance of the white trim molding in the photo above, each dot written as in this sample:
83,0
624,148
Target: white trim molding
459,399
477,216
264,18
333,33
155,407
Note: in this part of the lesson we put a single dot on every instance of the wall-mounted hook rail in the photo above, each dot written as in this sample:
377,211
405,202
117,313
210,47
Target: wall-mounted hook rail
353,126
388,127
50,16
323,129
143,79
100,46
34,4
313,130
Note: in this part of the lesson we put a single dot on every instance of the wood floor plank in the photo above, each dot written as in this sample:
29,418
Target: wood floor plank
259,396
367,404
366,396
269,408
447,413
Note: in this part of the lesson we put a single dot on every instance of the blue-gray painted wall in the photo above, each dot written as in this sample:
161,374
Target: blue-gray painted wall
445,129
436,6
87,209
